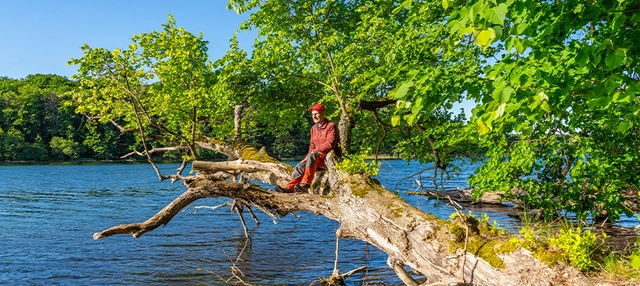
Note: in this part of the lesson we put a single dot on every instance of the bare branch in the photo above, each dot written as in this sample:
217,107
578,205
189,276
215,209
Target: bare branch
161,218
199,188
227,204
154,150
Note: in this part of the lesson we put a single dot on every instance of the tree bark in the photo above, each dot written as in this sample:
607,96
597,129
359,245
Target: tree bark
368,212
345,127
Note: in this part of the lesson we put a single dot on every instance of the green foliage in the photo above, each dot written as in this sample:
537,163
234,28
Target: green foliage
578,247
357,164
161,84
61,148
634,260
101,140
34,111
616,267
564,82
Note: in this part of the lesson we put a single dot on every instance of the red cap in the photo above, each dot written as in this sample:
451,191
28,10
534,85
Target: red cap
317,107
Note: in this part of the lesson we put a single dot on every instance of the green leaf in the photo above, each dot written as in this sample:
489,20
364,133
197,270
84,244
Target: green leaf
521,28
622,97
498,30
403,89
417,106
605,101
545,106
519,45
448,105
543,95
506,94
483,128
536,101
497,93
500,12
514,77
612,84
614,60
395,120
485,37
623,126
578,9
410,118
500,110
509,43
634,260
445,4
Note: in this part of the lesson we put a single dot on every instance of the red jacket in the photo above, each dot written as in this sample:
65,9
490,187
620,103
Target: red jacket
324,138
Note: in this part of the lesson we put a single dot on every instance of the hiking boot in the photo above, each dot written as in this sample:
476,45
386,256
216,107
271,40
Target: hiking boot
281,190
302,188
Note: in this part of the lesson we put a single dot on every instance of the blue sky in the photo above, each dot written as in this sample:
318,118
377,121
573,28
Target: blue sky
40,36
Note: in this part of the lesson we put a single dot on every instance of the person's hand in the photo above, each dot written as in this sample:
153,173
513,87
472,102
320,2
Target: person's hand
315,155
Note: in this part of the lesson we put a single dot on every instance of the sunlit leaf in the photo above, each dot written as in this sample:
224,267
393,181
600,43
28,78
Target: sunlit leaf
483,128
485,36
404,88
395,120
634,260
520,28
500,110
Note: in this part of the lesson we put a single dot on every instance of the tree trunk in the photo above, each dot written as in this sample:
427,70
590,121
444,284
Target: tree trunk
368,212
345,126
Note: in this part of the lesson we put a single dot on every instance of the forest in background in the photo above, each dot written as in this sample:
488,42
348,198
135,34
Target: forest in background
39,123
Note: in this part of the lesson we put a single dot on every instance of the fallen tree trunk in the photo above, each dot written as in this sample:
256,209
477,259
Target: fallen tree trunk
368,212
463,196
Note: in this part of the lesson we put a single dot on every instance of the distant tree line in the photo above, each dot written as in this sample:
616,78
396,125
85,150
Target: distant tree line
39,123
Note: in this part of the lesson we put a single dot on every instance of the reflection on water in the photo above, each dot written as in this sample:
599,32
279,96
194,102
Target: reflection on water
49,213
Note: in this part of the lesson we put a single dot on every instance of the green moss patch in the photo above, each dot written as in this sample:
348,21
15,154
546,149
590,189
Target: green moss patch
483,241
359,189
251,153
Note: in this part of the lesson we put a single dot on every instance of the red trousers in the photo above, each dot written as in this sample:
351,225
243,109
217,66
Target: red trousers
305,170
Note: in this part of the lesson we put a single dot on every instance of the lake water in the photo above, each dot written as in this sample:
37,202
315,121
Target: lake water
48,214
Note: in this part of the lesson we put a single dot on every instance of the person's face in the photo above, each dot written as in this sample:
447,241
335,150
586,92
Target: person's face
318,116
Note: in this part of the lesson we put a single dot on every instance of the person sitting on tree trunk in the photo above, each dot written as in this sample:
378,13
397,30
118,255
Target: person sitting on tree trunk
324,138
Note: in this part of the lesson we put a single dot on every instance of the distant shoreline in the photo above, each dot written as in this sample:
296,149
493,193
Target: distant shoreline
93,161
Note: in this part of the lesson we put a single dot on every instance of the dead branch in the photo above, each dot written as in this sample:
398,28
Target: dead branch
271,173
154,150
270,202
354,271
226,204
161,218
238,206
403,275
